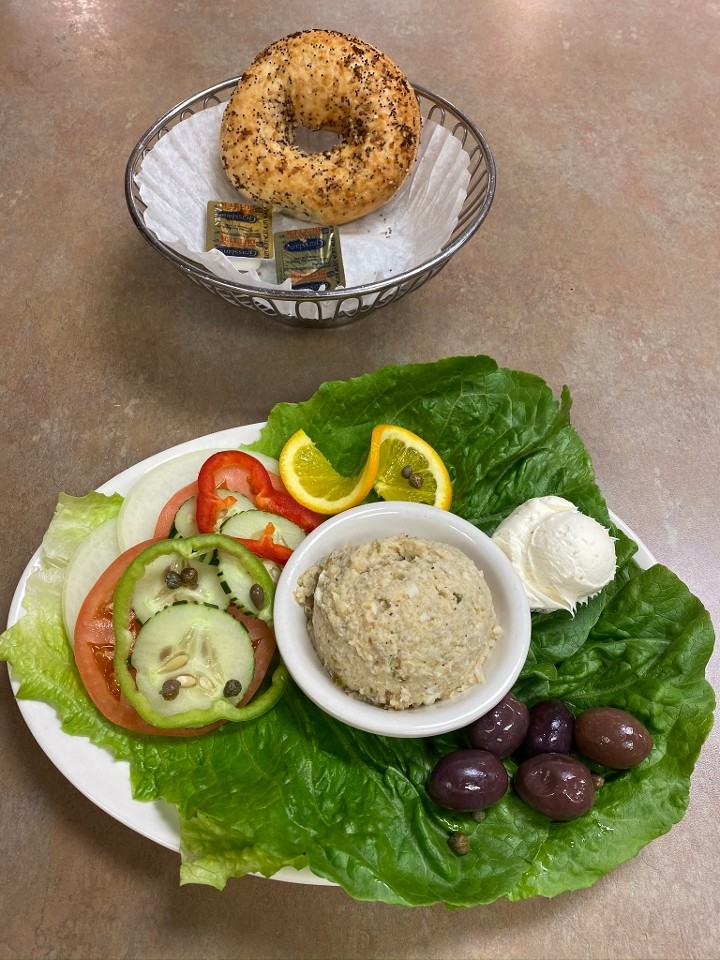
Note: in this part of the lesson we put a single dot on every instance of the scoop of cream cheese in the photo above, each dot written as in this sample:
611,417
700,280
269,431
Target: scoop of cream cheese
562,556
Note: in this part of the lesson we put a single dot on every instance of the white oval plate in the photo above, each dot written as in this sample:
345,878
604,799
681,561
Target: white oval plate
91,769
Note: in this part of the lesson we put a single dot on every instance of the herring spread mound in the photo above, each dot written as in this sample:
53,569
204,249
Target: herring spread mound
400,621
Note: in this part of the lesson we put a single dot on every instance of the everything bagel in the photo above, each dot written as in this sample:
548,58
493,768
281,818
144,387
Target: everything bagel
322,80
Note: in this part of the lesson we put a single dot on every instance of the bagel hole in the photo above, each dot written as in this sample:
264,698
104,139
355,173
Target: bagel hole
315,141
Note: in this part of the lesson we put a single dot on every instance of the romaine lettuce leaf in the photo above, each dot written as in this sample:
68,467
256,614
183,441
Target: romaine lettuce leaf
503,435
297,788
37,646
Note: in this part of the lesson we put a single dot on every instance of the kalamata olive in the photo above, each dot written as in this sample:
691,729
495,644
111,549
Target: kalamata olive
612,737
502,729
559,786
467,780
550,729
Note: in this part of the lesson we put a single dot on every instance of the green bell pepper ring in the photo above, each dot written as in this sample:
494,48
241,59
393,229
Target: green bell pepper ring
220,708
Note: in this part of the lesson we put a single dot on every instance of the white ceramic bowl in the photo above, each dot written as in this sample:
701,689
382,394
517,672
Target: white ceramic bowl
386,519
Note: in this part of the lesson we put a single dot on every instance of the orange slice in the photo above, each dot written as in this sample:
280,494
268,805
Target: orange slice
400,466
313,482
409,468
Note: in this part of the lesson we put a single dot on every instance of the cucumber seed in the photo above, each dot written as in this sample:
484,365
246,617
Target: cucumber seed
175,663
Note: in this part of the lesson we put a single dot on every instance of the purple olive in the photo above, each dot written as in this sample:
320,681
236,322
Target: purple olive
550,729
612,737
467,780
502,729
559,786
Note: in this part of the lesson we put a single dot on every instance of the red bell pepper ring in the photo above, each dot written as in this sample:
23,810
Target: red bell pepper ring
218,470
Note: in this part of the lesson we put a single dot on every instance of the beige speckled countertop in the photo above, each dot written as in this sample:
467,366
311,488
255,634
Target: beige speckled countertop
597,268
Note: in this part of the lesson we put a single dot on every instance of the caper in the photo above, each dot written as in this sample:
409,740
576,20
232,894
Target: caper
232,688
257,595
173,580
189,576
416,480
406,472
459,843
170,689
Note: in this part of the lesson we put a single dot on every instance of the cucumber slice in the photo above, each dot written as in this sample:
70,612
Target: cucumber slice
184,524
241,585
189,655
252,593
251,524
94,555
166,582
274,569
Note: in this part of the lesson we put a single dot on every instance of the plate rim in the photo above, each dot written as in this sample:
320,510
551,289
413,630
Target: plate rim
93,770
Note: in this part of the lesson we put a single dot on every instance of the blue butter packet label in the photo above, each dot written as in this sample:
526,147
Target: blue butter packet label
310,257
239,229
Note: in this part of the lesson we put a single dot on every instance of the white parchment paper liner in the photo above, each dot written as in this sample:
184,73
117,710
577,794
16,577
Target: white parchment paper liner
183,172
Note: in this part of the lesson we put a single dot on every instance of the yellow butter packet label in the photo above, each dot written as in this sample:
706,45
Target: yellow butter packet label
310,257
239,229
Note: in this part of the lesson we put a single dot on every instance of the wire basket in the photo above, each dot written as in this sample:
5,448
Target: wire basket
331,308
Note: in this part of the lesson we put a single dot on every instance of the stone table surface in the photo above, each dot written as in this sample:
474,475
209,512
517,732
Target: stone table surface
596,268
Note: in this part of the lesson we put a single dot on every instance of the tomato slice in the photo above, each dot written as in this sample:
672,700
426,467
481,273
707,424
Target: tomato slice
263,641
94,645
167,514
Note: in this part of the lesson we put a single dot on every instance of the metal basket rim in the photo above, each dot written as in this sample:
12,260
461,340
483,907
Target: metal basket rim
345,293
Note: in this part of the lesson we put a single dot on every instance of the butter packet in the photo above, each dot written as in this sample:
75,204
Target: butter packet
239,229
310,257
